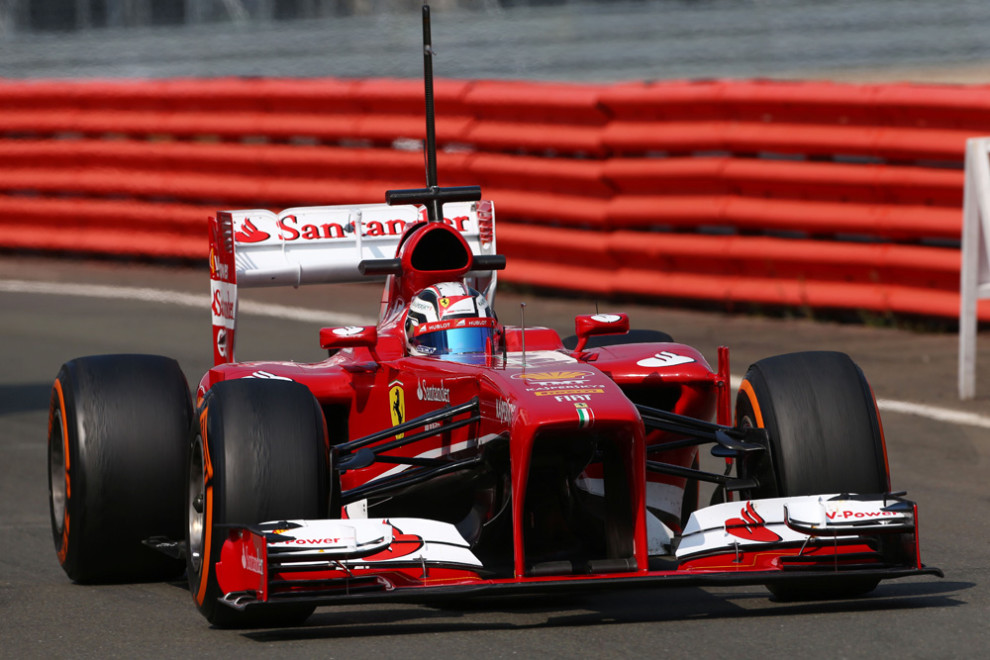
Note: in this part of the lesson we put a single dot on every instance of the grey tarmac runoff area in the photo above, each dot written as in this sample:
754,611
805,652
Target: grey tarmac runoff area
54,310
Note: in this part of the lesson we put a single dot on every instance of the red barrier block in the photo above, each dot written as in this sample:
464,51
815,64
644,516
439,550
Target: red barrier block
322,95
625,138
897,222
119,227
76,216
811,218
275,160
818,103
555,247
233,125
799,102
556,209
738,256
535,273
880,142
856,183
518,102
760,101
531,173
220,190
673,176
406,97
876,263
221,95
665,101
786,179
545,139
126,242
926,107
733,292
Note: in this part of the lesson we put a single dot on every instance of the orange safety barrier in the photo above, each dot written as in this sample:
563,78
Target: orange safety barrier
809,194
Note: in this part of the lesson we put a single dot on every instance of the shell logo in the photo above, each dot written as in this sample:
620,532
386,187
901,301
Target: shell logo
552,375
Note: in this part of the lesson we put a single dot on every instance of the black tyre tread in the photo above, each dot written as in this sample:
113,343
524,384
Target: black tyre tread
267,445
126,419
823,423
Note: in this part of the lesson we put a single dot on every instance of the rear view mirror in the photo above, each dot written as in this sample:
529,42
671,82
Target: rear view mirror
348,336
589,325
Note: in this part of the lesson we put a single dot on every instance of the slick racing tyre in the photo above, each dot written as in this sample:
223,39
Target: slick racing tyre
824,437
258,453
117,428
823,425
631,337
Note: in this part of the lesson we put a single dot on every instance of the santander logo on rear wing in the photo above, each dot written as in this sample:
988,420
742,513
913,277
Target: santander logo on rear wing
315,245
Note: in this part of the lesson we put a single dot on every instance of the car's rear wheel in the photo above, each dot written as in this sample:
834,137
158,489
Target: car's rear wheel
824,435
117,430
258,453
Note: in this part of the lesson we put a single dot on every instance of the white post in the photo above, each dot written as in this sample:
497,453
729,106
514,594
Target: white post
975,271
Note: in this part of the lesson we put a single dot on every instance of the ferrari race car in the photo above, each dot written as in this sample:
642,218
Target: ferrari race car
443,454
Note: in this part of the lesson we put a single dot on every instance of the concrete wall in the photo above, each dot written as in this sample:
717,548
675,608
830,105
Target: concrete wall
517,39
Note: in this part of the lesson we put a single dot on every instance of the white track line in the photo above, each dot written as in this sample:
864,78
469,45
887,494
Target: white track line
934,412
202,301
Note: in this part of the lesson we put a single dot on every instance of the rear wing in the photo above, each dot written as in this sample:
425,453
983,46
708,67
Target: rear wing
319,245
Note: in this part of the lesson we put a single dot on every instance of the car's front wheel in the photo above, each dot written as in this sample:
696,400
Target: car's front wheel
258,453
824,436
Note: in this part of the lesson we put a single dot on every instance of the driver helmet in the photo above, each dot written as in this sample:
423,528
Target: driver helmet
450,318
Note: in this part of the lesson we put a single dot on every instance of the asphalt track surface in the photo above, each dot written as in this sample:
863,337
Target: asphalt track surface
941,464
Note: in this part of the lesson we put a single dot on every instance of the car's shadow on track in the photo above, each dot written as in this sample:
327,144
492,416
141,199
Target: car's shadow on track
24,397
634,606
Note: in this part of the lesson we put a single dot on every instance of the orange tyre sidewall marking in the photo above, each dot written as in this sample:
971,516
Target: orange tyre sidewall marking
883,438
751,395
208,504
64,548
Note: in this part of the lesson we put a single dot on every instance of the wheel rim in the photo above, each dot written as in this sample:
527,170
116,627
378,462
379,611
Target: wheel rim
57,473
195,514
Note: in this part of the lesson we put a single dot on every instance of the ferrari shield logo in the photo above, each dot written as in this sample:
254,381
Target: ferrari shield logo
397,406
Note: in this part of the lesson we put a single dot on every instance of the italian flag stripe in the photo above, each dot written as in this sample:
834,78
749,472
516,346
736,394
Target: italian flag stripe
584,416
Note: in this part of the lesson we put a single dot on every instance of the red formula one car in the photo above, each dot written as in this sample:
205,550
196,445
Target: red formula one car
443,454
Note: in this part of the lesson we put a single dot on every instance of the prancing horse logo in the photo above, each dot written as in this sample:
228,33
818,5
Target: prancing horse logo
397,405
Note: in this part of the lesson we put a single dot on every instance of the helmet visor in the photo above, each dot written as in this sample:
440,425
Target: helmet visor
454,336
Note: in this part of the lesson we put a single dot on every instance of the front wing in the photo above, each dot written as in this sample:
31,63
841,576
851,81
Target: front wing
756,542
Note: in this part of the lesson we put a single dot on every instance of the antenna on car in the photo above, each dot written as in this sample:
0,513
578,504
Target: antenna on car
433,196
430,148
522,334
